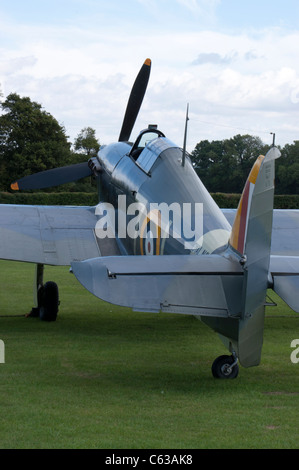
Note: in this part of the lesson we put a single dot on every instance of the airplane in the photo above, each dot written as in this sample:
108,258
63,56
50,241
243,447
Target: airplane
138,247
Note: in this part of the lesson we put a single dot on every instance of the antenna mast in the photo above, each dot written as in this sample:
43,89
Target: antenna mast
185,136
273,143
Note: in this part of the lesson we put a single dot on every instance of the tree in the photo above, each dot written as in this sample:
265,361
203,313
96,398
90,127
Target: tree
87,143
223,166
287,170
210,159
31,140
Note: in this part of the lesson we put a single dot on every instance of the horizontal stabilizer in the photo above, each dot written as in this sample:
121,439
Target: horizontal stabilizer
194,285
285,274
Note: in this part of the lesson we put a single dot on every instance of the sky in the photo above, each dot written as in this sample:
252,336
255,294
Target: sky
235,63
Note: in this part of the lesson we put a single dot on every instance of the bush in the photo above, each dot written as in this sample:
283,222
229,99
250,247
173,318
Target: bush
231,201
227,201
50,199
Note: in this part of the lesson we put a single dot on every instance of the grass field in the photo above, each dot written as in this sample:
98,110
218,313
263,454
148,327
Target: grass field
108,378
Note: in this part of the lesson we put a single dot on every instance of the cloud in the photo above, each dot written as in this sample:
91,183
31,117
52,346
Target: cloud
251,55
10,67
15,65
214,58
83,76
206,7
202,11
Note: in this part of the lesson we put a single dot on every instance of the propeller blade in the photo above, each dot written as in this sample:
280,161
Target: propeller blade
135,101
55,177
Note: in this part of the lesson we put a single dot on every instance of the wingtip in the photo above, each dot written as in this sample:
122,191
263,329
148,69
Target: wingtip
15,186
148,62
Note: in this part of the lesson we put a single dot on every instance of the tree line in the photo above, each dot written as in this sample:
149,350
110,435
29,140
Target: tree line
32,140
223,165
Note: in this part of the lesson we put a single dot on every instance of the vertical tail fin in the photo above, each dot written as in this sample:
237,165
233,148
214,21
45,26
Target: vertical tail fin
239,229
251,238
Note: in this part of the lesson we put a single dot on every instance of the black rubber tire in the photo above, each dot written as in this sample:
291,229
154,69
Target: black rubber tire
220,365
49,301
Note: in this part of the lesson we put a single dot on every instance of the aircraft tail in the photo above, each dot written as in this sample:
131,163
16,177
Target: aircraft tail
240,225
227,290
251,239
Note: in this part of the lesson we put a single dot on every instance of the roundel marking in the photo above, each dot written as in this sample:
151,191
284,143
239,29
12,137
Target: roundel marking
150,234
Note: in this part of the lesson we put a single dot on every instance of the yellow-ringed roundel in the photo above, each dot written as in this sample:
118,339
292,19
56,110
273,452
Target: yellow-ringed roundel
150,234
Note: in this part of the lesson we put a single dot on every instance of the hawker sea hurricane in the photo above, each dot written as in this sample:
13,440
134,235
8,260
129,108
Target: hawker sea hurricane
157,241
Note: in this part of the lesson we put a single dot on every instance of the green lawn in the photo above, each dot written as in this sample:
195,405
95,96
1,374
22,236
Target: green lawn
106,377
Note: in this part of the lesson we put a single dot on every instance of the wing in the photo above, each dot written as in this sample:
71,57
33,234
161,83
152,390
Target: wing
284,260
285,275
54,235
285,231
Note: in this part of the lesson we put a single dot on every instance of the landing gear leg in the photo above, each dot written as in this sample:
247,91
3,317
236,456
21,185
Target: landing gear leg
46,298
37,287
225,367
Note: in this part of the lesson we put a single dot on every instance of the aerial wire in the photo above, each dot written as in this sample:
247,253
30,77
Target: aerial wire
231,127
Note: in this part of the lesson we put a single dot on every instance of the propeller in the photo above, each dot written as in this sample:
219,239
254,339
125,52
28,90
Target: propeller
135,101
55,177
67,174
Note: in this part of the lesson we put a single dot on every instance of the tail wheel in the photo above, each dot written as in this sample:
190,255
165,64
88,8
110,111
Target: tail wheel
225,367
48,301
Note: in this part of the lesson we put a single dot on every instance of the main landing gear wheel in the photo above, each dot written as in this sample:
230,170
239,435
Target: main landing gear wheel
48,301
225,367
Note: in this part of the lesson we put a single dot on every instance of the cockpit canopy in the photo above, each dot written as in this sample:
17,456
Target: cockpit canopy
145,136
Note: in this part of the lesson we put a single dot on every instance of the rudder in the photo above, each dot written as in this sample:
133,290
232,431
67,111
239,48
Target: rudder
251,239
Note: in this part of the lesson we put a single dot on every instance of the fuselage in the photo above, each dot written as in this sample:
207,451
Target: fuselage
178,214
